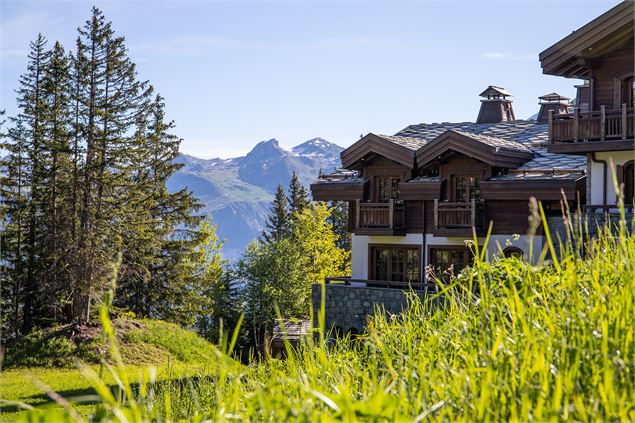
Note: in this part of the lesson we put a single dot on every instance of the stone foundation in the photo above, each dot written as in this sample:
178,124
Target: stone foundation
347,307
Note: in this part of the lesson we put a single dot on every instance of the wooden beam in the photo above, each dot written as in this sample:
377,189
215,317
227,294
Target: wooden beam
624,122
602,122
576,123
436,213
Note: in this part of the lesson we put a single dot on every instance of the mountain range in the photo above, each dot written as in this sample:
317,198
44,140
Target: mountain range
237,193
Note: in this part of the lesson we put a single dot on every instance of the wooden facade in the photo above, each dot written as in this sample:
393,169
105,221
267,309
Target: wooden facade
601,53
439,184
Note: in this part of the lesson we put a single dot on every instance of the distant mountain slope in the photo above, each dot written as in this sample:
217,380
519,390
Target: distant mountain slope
237,192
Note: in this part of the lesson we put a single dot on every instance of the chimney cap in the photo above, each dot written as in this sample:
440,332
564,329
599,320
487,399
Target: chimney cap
495,92
553,98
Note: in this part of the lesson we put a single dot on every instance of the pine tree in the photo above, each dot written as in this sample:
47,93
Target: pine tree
162,272
57,177
277,226
84,181
29,135
298,197
111,99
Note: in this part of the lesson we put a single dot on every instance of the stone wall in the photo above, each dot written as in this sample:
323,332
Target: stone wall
347,307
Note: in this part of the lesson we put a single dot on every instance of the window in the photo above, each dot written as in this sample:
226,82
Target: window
388,188
449,261
395,264
515,252
466,188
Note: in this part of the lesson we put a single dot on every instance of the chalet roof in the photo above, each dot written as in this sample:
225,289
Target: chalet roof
411,143
528,133
494,91
497,142
568,56
551,97
495,151
398,148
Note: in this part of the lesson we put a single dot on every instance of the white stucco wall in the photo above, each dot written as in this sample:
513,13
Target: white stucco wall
359,255
495,244
596,175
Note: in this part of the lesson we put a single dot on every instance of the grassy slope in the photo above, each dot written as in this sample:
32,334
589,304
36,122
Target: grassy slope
553,342
170,350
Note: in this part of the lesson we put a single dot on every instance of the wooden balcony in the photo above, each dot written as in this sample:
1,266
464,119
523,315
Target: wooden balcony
379,218
602,130
347,280
457,219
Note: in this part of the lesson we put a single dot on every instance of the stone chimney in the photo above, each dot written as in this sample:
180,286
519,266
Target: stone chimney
556,102
495,107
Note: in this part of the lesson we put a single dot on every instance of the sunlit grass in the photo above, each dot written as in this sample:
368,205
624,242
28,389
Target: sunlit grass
511,341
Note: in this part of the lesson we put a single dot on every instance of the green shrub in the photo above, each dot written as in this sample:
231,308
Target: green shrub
50,348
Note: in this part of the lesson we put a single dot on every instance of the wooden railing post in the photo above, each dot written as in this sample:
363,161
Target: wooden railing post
473,212
391,213
550,117
602,122
576,124
624,122
357,213
436,213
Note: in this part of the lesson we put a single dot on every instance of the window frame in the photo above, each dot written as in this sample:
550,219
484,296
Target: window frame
405,271
386,185
468,256
472,189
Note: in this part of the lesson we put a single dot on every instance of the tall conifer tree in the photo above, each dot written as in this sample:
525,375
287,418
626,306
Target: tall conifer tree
277,226
298,197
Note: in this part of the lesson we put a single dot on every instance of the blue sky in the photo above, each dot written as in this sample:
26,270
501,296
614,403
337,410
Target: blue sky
235,73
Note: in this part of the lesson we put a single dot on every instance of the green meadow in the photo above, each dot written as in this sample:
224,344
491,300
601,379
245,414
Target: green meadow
505,341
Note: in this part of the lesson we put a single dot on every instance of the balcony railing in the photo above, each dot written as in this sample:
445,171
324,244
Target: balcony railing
345,280
592,126
457,215
390,215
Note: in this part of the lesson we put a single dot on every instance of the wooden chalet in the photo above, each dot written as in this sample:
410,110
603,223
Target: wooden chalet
601,124
415,197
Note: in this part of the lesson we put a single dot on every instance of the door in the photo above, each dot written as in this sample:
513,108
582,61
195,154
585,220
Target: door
395,263
449,261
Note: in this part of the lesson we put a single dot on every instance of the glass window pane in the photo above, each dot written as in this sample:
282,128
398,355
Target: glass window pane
395,189
381,264
475,192
397,264
413,265
460,189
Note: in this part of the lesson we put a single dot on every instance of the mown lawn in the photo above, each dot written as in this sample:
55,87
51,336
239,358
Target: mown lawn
151,350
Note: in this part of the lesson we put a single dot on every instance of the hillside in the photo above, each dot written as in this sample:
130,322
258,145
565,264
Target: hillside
141,342
237,192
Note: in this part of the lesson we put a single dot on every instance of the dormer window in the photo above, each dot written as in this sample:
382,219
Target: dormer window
388,189
466,188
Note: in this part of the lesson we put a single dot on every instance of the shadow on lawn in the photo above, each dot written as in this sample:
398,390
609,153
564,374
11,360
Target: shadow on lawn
88,396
